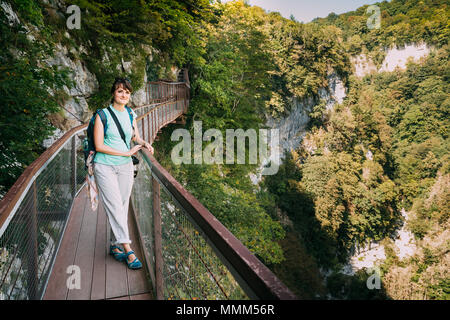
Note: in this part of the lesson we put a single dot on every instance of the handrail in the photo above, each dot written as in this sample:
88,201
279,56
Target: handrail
165,82
33,217
8,204
253,276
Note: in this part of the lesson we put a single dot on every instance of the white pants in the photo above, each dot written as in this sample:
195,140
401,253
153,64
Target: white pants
114,185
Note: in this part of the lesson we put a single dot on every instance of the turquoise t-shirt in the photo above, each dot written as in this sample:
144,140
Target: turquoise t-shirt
113,139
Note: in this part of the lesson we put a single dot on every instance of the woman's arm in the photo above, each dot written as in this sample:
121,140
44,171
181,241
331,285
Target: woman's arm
101,147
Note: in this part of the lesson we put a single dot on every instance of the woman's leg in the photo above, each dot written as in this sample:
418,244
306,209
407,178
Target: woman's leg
109,185
126,180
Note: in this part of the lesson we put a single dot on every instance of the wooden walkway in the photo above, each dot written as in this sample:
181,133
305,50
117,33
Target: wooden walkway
86,244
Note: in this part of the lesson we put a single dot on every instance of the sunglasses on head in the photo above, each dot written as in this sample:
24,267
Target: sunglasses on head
122,80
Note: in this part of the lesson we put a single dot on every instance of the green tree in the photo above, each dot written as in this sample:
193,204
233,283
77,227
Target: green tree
30,90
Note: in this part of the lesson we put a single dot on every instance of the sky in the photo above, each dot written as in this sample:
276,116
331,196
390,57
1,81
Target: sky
307,10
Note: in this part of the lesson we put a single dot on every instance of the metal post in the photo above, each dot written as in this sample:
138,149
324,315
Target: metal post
159,92
148,127
150,94
153,124
73,176
32,256
152,127
164,115
158,240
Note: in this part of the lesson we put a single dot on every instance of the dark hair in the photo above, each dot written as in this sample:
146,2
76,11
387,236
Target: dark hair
126,83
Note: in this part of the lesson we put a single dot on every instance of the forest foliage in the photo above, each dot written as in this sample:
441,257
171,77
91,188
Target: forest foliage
402,22
384,149
29,91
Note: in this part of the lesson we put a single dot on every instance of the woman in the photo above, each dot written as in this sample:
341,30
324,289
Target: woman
113,168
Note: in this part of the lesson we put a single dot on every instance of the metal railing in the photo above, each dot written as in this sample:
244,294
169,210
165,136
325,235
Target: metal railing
189,253
153,117
160,91
33,217
182,264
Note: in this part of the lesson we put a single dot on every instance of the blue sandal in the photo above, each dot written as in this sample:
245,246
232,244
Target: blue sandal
135,264
119,256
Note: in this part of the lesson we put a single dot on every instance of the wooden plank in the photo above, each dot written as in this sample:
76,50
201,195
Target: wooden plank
101,248
57,288
144,296
121,298
116,276
84,257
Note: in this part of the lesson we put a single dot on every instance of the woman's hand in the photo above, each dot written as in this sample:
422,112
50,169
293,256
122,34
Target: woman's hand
149,147
134,150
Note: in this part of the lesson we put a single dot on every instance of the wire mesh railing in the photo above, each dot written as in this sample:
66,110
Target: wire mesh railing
30,237
189,254
160,91
189,268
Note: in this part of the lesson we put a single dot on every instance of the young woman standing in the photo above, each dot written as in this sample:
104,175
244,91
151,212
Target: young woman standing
113,168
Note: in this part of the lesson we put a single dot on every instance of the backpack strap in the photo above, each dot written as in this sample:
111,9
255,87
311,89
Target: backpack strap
131,115
131,119
102,116
119,127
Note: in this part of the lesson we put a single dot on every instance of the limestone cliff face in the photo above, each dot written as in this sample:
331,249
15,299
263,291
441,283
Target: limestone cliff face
75,109
292,128
395,58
